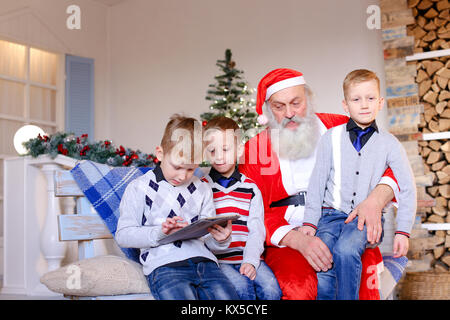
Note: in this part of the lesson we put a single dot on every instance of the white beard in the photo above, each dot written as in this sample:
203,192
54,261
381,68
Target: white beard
294,144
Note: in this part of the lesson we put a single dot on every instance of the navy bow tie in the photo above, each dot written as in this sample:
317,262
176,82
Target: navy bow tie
359,134
225,182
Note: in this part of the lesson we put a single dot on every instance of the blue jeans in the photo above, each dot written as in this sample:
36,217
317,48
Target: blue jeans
195,281
264,287
347,244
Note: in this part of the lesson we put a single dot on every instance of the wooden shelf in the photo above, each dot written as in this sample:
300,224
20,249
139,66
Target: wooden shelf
436,226
429,55
436,136
424,136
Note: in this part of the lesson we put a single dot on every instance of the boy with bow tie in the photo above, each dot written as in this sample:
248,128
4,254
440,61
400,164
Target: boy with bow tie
351,160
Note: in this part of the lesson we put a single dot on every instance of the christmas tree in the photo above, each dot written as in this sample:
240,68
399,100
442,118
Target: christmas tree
231,96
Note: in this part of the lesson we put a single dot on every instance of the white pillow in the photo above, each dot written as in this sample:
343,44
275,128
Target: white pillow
98,276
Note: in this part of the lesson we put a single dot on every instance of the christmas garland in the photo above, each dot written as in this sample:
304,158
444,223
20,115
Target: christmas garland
79,147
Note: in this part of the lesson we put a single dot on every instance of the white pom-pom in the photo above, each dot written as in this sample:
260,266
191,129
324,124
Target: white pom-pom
262,120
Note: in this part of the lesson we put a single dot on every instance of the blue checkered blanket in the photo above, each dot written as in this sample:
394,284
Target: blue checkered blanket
104,186
396,266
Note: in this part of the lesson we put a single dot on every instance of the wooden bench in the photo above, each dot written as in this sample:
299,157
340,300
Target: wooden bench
84,226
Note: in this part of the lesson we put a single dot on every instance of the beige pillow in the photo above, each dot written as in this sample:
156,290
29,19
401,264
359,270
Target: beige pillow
98,276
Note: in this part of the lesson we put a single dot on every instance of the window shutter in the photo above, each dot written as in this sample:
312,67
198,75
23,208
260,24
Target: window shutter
80,96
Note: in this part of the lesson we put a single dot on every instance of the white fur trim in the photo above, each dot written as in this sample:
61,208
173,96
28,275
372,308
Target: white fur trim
280,233
291,82
262,120
391,183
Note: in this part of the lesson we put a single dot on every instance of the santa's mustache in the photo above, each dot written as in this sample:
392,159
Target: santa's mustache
295,119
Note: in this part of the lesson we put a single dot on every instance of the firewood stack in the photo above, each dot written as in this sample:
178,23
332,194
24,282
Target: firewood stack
432,28
418,99
432,32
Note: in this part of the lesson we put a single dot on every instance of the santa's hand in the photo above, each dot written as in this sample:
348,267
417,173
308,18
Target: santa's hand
313,249
369,214
309,231
370,210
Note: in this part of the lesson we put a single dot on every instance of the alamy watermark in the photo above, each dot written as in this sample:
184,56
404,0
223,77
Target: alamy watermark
73,281
73,21
374,19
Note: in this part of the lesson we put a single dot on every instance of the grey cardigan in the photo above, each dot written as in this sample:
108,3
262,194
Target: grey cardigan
343,177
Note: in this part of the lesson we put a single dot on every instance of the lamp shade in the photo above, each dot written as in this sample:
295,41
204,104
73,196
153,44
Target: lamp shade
24,134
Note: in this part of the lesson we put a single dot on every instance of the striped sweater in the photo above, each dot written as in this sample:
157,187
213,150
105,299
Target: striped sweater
242,196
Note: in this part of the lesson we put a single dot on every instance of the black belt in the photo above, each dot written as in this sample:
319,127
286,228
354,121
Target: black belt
296,200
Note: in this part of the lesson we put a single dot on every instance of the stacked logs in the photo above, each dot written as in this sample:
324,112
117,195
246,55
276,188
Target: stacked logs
433,79
432,28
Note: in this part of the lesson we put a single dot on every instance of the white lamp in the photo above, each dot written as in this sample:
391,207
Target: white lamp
24,134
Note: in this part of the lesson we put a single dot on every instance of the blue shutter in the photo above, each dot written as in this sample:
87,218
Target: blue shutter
80,96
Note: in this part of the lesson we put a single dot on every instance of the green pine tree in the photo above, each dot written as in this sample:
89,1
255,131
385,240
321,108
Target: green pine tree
231,96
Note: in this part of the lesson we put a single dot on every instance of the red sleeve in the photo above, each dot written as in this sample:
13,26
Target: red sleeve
390,174
273,217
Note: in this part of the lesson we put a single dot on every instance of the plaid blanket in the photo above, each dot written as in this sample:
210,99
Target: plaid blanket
396,266
393,271
104,186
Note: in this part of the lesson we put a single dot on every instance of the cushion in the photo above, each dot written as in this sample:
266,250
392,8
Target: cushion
98,276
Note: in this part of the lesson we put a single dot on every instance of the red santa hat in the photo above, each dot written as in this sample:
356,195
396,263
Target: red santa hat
275,81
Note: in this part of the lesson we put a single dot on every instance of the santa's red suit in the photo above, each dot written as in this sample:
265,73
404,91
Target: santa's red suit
296,277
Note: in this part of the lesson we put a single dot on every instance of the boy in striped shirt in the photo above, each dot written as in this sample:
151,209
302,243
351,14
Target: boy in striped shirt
235,193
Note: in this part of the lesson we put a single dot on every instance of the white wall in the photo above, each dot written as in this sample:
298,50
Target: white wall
163,54
49,16
155,58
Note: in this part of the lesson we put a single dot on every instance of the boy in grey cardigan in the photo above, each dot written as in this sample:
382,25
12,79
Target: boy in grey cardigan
351,160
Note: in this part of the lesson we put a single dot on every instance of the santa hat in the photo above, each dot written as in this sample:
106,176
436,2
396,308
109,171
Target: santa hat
275,81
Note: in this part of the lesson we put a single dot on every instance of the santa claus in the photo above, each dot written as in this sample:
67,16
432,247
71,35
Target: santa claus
280,160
